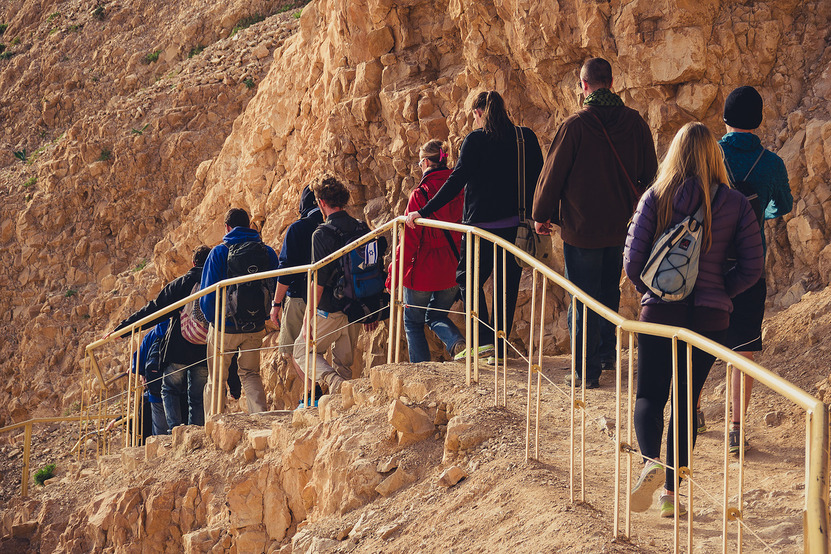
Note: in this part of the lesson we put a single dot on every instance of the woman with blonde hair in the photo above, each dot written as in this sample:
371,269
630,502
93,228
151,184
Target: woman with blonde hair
430,259
692,175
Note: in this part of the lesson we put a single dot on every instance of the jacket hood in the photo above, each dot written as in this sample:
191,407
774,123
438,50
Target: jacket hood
241,234
742,141
433,180
617,120
308,202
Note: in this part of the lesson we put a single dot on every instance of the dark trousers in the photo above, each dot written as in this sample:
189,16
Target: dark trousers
509,289
655,389
597,272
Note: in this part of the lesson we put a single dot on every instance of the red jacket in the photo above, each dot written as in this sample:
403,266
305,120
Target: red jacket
429,261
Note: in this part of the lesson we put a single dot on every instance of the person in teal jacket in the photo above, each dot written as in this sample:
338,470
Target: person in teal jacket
764,175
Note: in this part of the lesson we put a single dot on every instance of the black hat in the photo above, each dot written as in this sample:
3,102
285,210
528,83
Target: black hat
743,108
307,201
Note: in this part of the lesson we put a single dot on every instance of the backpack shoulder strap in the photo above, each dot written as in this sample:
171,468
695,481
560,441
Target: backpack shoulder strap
752,167
520,167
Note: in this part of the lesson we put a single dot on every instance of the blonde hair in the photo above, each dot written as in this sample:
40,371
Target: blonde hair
694,152
435,152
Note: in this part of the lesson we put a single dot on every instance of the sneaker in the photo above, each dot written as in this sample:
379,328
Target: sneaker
608,365
734,437
578,382
651,479
493,360
484,350
699,419
318,394
667,505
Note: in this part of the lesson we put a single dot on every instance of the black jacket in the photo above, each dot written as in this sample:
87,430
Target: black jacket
174,348
487,170
297,250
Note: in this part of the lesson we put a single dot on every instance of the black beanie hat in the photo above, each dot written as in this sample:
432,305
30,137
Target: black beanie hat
743,108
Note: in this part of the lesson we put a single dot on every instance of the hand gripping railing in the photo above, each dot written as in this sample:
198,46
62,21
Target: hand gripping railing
816,480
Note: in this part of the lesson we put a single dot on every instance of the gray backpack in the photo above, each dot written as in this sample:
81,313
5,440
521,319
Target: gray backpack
672,268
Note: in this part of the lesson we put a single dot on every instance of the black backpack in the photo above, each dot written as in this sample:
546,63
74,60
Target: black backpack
747,188
249,304
359,280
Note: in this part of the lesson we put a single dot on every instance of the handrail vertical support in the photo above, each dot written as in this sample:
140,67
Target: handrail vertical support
27,448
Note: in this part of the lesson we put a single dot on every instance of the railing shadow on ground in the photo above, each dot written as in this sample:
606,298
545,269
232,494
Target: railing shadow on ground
97,404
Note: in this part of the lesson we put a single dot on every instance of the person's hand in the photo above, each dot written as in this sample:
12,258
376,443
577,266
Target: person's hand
371,326
276,315
411,217
542,228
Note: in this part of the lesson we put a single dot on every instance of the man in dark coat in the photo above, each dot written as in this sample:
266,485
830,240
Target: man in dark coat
601,160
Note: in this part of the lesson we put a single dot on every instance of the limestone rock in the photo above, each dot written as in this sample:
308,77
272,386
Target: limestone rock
412,424
398,480
451,476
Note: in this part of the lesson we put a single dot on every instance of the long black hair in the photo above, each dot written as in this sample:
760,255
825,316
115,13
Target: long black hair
495,119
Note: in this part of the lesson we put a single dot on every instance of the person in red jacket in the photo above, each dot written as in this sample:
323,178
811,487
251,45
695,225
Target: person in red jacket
430,260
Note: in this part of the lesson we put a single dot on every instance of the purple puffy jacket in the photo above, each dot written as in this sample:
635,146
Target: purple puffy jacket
734,223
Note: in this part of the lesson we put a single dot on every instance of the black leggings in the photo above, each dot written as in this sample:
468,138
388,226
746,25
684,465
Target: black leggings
511,291
654,391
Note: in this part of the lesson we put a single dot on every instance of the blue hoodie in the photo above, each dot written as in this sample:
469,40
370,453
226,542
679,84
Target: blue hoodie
216,266
148,360
769,177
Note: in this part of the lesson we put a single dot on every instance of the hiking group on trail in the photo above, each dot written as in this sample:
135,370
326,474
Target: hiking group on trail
688,233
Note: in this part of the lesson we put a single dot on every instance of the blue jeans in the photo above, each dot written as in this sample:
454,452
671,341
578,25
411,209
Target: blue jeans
177,382
597,272
158,417
415,317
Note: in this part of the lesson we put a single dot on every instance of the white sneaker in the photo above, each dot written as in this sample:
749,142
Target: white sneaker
650,481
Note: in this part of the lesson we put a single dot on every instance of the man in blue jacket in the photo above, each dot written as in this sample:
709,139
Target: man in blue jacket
150,369
248,304
763,173
289,306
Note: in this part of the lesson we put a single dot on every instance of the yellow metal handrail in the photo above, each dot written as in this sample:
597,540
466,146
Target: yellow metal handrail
817,459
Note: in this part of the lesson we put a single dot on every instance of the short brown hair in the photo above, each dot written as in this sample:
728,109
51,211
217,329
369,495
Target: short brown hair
331,191
237,217
200,254
597,72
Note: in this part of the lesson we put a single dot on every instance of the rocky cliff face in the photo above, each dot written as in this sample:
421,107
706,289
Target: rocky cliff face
140,160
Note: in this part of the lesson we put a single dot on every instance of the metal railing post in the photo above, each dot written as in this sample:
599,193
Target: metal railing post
27,448
469,333
399,320
530,367
393,290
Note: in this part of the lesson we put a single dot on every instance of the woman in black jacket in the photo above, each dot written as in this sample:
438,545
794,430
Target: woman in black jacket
487,171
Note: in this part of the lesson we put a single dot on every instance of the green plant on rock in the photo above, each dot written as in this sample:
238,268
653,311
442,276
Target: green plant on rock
70,293
106,155
297,14
249,82
286,8
139,131
44,473
6,55
141,265
53,16
195,51
2,46
246,22
98,12
151,57
74,28
3,27
15,41
29,182
75,407
20,155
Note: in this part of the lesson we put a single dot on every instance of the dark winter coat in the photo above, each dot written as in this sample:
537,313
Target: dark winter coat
733,224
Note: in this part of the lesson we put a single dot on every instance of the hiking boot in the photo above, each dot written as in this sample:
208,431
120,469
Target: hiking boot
578,382
457,349
608,365
699,421
735,436
667,505
650,480
484,350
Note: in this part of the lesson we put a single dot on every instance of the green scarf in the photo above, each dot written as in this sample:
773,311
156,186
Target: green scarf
603,97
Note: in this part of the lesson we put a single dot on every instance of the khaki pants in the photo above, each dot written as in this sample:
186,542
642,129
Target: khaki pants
248,361
334,332
294,309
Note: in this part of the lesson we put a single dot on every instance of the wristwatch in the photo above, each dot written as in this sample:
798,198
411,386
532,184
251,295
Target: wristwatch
276,304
